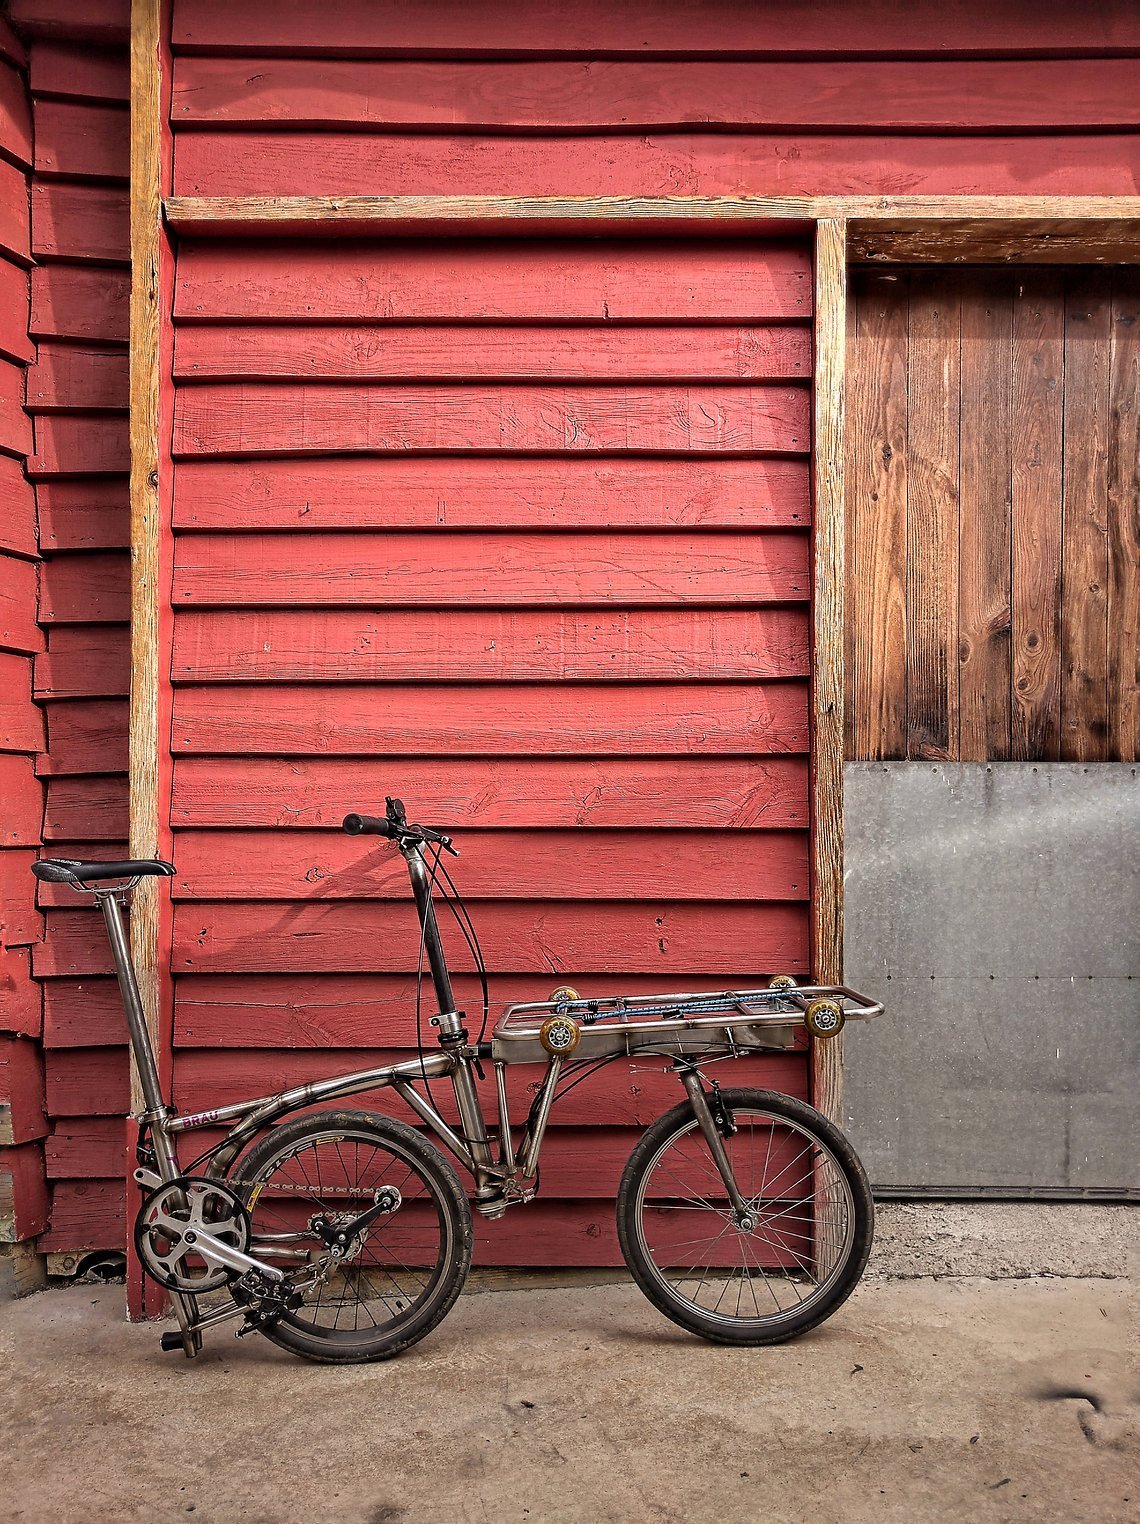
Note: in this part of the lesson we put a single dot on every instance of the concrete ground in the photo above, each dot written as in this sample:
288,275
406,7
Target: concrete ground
945,1397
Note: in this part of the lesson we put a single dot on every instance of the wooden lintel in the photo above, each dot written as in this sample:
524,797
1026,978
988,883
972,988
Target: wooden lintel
828,581
974,240
416,215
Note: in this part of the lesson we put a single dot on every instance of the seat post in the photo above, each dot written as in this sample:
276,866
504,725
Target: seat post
139,1032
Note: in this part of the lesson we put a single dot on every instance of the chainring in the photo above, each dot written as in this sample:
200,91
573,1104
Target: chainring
206,1208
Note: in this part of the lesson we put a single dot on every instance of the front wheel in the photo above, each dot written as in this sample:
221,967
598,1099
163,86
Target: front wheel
400,1274
795,1255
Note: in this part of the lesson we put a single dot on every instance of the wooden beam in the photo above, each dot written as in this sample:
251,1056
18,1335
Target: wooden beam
1110,219
828,448
1012,240
152,284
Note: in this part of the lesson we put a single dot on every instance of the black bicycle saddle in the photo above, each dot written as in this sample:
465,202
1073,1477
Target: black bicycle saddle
66,870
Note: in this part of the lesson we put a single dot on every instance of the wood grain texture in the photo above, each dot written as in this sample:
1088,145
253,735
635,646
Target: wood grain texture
531,865
14,341
456,493
78,445
77,378
15,219
490,646
878,556
1124,523
79,222
22,1003
559,94
21,721
99,21
282,163
675,793
84,662
1036,510
78,302
1084,615
89,513
638,27
283,418
85,589
524,720
932,443
828,613
370,351
17,509
984,517
499,570
476,281
22,1118
81,140
18,596
86,736
92,807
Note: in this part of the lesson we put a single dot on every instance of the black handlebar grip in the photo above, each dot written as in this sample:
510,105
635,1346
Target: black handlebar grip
368,825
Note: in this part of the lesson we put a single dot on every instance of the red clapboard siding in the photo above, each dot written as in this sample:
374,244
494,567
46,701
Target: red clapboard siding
17,509
483,280
22,1118
23,802
86,736
15,115
15,219
482,719
21,721
373,937
90,1082
615,1097
83,1148
86,1214
74,946
18,628
274,419
279,163
886,95
502,569
86,807
62,68
370,352
85,589
19,921
79,221
84,663
14,341
339,1010
311,646
704,865
15,425
82,139
90,514
830,28
74,302
82,1013
101,21
23,1193
70,378
672,793
20,1005
422,493
79,446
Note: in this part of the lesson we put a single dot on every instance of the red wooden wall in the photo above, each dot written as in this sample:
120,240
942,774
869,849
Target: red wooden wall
422,443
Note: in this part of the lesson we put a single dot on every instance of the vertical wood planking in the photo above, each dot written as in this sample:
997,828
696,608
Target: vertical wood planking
1084,622
1124,521
880,490
984,516
933,358
829,443
1037,491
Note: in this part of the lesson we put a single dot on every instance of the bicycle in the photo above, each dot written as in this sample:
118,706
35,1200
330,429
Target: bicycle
743,1215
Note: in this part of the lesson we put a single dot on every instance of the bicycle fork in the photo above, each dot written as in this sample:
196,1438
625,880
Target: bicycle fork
709,1124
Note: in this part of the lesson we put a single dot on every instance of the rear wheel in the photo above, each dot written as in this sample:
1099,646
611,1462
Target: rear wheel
795,1256
401,1274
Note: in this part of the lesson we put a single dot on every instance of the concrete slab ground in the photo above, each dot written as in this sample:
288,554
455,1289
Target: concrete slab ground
923,1399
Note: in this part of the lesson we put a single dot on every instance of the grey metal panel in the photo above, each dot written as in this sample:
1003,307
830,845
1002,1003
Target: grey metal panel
993,908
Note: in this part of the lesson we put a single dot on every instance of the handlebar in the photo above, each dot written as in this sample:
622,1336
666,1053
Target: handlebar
394,825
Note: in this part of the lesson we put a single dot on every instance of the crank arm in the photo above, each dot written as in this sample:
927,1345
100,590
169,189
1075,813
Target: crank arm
216,1253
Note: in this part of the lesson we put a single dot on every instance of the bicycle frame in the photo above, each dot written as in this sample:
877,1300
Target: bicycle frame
457,1061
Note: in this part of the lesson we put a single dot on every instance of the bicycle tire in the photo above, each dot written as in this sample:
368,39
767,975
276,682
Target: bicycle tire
276,1181
785,1246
